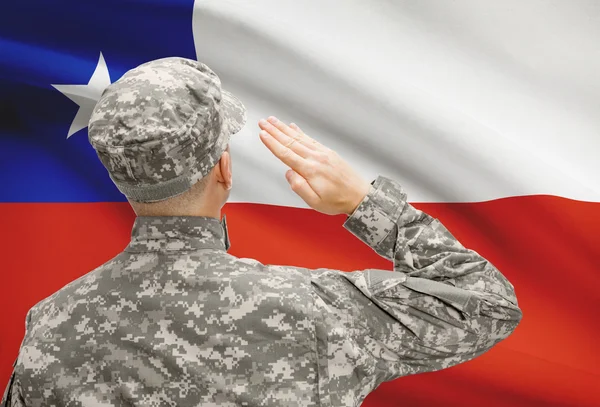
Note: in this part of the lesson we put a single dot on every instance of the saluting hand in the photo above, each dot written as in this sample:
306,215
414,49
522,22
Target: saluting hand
318,174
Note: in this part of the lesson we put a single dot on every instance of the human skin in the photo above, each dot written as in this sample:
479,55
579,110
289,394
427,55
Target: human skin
325,181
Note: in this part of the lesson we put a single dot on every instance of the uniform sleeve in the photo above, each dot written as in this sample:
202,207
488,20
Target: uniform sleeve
13,396
442,305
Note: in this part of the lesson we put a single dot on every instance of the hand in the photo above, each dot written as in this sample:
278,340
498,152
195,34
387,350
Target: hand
318,174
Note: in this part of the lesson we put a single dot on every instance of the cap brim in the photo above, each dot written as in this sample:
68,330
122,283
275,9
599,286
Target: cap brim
234,112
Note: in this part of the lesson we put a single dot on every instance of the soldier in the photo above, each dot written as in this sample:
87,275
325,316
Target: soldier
175,320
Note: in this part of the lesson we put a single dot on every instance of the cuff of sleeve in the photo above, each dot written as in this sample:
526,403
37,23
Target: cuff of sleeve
377,214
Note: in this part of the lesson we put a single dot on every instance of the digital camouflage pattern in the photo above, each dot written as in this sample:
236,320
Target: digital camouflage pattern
174,320
162,126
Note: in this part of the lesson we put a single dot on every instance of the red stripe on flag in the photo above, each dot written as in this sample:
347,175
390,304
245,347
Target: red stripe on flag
546,246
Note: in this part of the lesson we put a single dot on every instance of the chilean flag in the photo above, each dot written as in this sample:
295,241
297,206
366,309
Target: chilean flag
488,114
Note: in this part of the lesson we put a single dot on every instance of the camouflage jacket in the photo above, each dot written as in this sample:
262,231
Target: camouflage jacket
174,320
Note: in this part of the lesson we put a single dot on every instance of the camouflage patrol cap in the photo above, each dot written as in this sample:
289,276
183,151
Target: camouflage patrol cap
162,126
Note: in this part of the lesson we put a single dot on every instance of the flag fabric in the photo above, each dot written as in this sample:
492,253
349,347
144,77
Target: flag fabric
486,112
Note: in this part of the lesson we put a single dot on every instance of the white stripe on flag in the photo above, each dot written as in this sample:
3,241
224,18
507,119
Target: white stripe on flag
459,101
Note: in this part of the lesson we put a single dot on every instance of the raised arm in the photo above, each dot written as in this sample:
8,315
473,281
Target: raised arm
442,305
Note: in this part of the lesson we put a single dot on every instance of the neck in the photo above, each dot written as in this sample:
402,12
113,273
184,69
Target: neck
210,213
197,211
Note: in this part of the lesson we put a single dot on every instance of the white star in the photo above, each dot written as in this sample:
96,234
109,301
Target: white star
86,96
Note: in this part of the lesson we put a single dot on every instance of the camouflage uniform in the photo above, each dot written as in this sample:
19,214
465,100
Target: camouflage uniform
175,320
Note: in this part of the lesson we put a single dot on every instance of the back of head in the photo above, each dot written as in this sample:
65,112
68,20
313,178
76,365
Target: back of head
162,127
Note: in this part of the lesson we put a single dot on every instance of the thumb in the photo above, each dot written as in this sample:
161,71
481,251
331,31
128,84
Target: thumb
301,187
288,175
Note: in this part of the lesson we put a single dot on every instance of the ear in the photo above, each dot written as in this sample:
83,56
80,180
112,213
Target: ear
224,168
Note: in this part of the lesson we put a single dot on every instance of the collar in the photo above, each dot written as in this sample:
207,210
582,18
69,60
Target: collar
175,233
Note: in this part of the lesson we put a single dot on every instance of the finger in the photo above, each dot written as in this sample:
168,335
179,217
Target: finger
295,127
309,142
302,137
295,133
285,154
301,187
291,142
